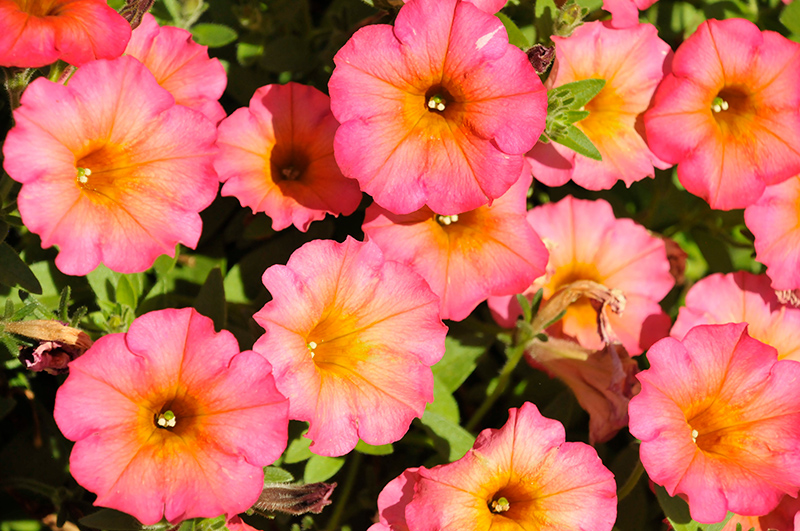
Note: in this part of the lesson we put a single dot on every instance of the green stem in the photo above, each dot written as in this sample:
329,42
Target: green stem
31,485
6,184
347,489
16,81
515,354
631,482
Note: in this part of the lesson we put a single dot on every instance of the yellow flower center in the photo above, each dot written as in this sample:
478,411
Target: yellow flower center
733,108
104,172
446,220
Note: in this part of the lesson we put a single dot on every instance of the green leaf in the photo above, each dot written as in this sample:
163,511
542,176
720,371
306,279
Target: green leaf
545,5
297,451
126,292
578,142
457,363
443,402
273,474
235,292
583,91
102,280
458,439
211,299
790,17
213,35
515,36
15,272
368,449
677,512
248,53
3,230
321,468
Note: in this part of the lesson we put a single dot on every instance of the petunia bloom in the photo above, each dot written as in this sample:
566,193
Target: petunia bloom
719,420
625,13
276,156
181,66
343,323
171,420
774,220
111,172
36,33
522,476
732,94
742,298
437,110
465,258
632,61
586,242
785,517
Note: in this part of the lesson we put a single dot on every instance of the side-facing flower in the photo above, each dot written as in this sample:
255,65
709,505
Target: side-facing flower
733,96
742,298
774,220
181,66
719,420
632,62
522,476
467,257
111,172
171,420
343,325
437,110
586,242
36,33
276,156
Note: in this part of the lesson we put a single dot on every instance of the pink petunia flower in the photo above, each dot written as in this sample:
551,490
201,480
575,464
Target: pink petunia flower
786,517
181,66
775,222
742,298
732,94
111,172
36,33
276,156
586,242
522,476
632,61
437,110
171,420
625,13
343,323
465,258
719,421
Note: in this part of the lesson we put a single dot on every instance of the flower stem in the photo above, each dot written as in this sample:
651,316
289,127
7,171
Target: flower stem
347,489
515,354
31,485
631,482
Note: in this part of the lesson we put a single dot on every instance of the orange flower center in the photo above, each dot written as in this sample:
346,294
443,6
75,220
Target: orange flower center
516,504
437,99
104,172
714,426
287,164
581,312
606,115
40,8
177,415
733,108
334,343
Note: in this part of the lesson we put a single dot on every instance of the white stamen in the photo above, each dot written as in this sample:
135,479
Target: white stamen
724,105
162,422
440,107
695,434
716,108
312,345
431,104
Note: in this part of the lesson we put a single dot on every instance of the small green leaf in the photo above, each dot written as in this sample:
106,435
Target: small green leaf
578,142
211,299
536,301
443,402
273,474
112,520
297,451
545,5
213,35
790,17
103,282
583,91
126,292
368,449
248,53
458,439
527,311
458,362
321,468
677,512
515,36
15,272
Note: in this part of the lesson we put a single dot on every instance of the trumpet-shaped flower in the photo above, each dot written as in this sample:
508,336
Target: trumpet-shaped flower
36,33
277,157
465,258
632,61
742,298
586,242
171,420
775,222
111,172
437,110
343,323
522,476
719,420
180,65
732,94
